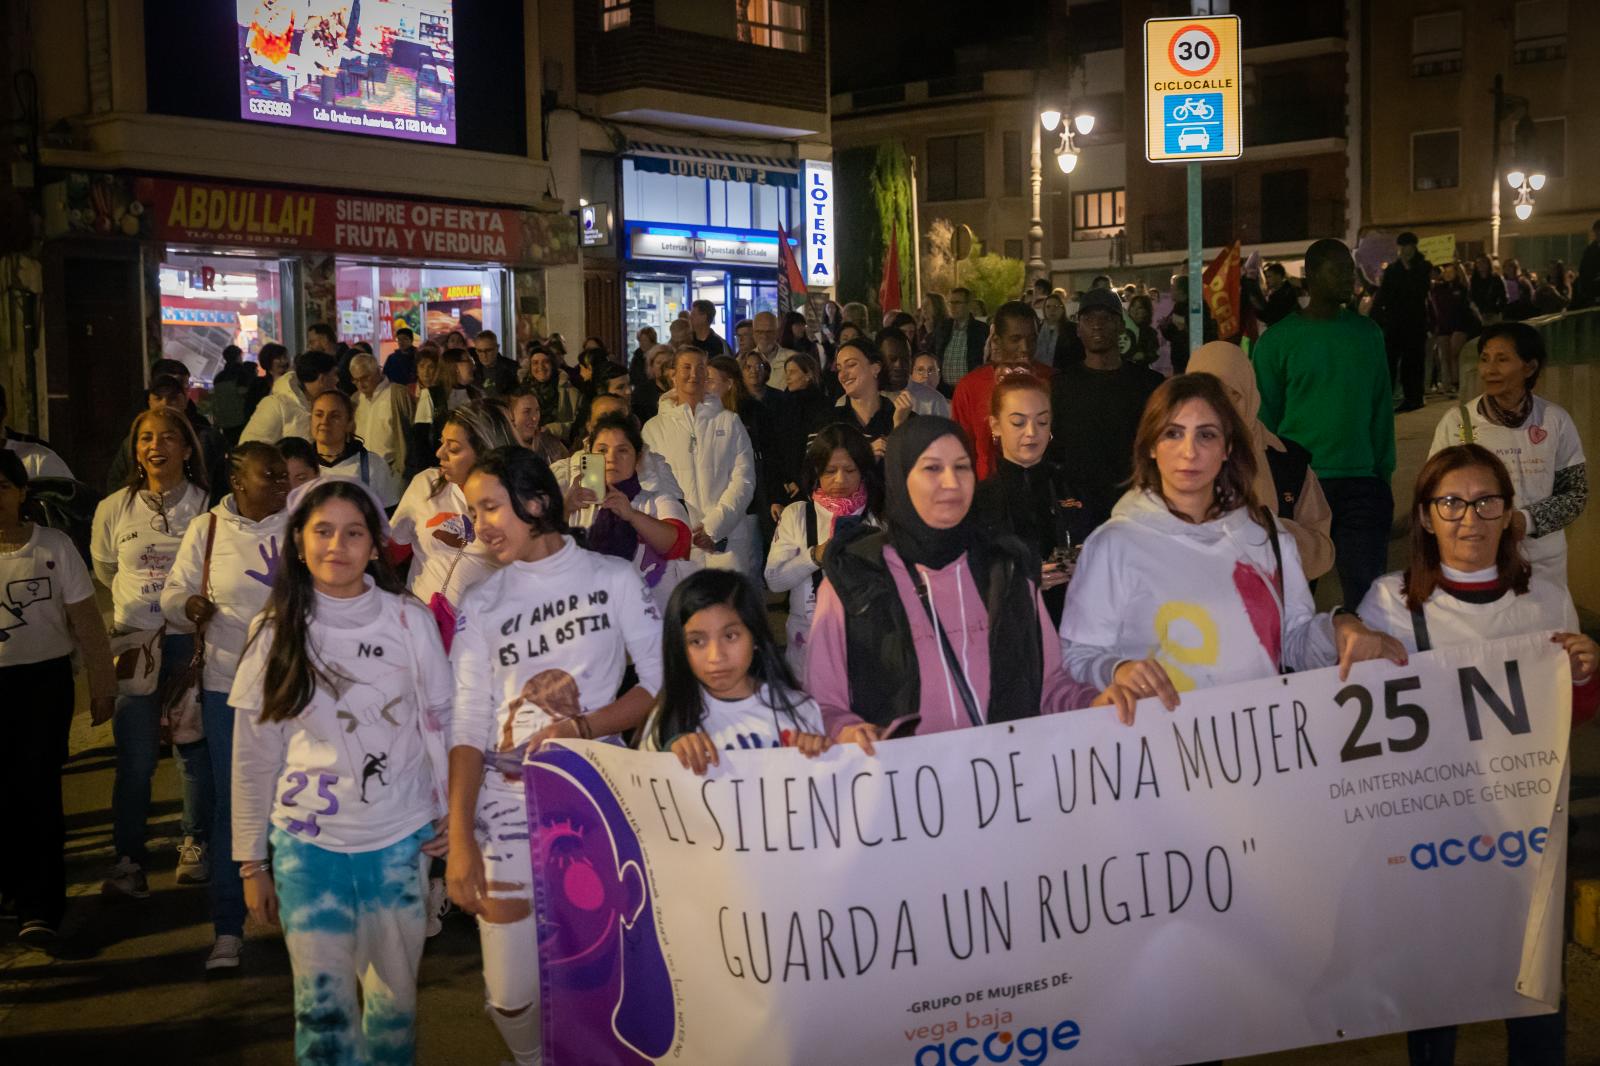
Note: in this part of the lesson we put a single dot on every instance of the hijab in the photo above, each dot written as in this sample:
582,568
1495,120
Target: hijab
916,542
1231,366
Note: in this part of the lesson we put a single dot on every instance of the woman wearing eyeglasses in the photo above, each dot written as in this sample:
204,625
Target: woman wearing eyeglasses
1468,581
1536,440
136,533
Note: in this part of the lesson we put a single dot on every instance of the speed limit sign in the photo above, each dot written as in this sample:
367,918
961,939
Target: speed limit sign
1193,110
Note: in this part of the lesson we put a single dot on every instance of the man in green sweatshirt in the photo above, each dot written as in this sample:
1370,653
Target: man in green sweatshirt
1324,380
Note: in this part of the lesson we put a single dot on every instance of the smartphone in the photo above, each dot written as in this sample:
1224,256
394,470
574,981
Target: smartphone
592,474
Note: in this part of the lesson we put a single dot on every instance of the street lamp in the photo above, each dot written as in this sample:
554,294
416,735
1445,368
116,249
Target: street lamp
1050,120
1525,175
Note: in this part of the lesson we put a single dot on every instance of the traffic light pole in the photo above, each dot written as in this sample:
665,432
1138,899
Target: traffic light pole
1196,297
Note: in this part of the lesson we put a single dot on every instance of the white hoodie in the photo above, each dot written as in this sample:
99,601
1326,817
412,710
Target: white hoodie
244,560
710,455
1201,599
283,412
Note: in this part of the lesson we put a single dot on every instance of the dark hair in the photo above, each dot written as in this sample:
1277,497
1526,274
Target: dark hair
176,367
301,449
834,438
808,365
627,425
1041,284
349,405
404,332
194,468
1275,268
322,329
165,386
309,366
578,433
487,426
707,308
681,703
232,352
1236,481
743,323
1010,311
12,469
245,451
526,476
1525,340
890,335
1321,252
1098,278
269,352
1425,569
291,676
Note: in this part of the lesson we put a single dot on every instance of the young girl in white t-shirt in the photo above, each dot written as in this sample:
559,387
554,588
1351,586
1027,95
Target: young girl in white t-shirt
540,649
725,685
343,697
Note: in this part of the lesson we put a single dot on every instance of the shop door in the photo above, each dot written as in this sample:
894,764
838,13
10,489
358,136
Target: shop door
101,351
713,285
602,314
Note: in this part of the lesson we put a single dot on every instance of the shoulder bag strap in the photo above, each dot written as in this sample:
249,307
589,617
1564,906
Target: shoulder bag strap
205,567
963,689
1278,578
365,479
811,540
1419,630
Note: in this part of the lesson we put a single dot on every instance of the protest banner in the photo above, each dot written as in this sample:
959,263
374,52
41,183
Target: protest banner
1291,861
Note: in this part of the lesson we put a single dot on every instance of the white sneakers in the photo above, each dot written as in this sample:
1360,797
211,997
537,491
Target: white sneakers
127,880
194,868
225,953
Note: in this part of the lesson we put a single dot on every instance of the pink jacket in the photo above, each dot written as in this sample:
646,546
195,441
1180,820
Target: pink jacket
965,621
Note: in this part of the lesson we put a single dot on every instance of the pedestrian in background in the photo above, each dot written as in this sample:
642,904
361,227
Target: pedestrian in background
1401,309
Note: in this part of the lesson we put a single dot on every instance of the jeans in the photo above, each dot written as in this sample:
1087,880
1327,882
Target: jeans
1538,1040
227,890
354,924
1363,512
32,866
137,732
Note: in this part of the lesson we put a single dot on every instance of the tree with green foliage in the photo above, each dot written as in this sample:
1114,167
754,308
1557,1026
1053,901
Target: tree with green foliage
994,279
891,191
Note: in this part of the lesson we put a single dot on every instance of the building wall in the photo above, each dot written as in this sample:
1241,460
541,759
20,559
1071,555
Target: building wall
1461,99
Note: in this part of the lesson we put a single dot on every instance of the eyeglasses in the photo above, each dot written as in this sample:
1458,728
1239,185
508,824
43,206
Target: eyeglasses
1454,508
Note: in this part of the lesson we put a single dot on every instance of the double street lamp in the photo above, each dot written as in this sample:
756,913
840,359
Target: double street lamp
1525,177
1050,120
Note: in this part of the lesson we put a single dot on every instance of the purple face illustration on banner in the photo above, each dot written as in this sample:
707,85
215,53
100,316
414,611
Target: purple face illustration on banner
607,991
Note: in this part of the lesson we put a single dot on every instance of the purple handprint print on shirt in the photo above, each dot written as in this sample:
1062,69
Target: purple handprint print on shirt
269,561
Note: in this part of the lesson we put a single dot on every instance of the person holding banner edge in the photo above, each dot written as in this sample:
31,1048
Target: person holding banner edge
1468,581
1192,563
928,625
539,653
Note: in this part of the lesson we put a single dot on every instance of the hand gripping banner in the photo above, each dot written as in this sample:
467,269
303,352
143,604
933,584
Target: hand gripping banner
1292,861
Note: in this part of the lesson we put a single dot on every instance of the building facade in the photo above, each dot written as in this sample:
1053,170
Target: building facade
690,134
201,179
1430,165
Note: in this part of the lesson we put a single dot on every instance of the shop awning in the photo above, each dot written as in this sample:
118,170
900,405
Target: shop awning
715,164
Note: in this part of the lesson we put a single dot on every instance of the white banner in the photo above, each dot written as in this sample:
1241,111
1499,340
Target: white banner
1288,862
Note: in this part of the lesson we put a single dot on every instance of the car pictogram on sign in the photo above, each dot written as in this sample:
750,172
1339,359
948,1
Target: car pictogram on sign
1193,137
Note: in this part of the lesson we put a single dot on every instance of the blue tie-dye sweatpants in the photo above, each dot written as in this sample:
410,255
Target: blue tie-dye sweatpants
354,923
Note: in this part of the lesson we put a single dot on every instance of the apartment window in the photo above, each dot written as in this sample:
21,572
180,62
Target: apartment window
1098,215
1285,205
1436,44
1436,160
1550,146
615,14
1011,162
955,167
1541,31
773,23
1013,249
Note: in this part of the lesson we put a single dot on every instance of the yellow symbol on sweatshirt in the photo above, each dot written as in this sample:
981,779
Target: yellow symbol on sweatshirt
1174,620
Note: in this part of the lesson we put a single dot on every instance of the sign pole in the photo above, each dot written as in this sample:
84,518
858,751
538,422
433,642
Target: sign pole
1196,297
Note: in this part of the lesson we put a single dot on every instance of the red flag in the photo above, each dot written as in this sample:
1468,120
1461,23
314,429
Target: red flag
1220,283
791,282
889,288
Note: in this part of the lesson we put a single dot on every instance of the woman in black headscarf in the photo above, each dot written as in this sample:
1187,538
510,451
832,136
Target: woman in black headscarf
929,624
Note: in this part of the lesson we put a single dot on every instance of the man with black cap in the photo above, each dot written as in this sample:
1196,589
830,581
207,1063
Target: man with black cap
1096,405
1402,310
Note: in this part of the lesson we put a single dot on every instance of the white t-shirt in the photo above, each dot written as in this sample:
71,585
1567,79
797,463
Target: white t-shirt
379,478
541,641
363,764
244,562
38,460
37,582
440,533
755,721
1545,443
1451,620
133,549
